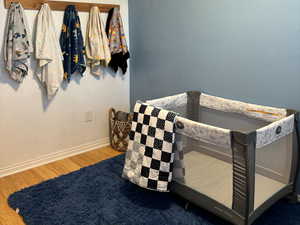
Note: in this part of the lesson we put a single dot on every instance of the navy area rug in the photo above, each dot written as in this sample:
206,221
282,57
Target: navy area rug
97,195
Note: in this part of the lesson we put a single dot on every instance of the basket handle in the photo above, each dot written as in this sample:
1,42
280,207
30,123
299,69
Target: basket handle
112,113
111,117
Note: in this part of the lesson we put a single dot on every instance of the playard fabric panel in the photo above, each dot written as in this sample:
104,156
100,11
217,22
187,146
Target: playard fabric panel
220,136
150,155
265,113
205,133
269,134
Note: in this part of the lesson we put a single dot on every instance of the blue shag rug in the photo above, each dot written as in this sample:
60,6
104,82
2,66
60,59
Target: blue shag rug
97,195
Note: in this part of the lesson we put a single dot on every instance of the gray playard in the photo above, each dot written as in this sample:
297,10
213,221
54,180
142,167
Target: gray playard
239,158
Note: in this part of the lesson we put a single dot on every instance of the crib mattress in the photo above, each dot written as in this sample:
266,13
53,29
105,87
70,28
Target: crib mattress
213,178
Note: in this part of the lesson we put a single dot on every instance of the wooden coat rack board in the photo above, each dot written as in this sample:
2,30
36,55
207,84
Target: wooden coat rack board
61,5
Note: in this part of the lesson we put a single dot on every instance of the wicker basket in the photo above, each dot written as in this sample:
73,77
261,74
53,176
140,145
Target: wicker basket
119,128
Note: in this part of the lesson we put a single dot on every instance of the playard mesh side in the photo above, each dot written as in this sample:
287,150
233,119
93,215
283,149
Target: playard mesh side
231,148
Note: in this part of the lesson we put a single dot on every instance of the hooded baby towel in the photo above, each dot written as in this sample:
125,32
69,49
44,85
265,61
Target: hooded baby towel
71,42
48,52
117,41
17,43
97,49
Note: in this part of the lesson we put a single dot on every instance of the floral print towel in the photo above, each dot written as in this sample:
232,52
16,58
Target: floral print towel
117,41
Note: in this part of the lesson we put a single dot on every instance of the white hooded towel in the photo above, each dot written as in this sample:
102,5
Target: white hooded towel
48,53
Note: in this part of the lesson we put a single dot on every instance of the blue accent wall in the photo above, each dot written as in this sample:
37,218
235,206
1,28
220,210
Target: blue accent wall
240,49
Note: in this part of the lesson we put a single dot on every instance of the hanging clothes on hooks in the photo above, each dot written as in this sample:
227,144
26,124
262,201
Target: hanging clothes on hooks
117,41
17,43
50,69
71,42
97,49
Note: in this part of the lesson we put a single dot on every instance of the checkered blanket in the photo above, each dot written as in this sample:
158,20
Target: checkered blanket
151,150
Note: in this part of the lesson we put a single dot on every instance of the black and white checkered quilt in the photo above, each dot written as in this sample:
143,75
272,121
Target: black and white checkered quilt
150,155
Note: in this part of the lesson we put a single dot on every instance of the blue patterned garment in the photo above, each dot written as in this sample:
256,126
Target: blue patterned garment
71,42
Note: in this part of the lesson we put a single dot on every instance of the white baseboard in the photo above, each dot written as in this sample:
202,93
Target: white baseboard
45,159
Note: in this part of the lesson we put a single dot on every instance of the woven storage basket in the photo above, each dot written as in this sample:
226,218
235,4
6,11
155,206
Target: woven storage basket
119,128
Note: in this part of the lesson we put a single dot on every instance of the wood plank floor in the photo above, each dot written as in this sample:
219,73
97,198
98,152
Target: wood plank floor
15,182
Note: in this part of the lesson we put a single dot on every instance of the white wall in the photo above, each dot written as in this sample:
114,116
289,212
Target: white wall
33,131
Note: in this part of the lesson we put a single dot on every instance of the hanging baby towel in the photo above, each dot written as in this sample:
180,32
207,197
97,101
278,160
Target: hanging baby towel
71,42
17,43
117,41
97,49
50,68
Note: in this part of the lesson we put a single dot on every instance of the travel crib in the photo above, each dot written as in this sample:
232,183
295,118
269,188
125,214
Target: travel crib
239,158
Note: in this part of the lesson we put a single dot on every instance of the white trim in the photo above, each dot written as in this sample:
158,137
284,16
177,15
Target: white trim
45,159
